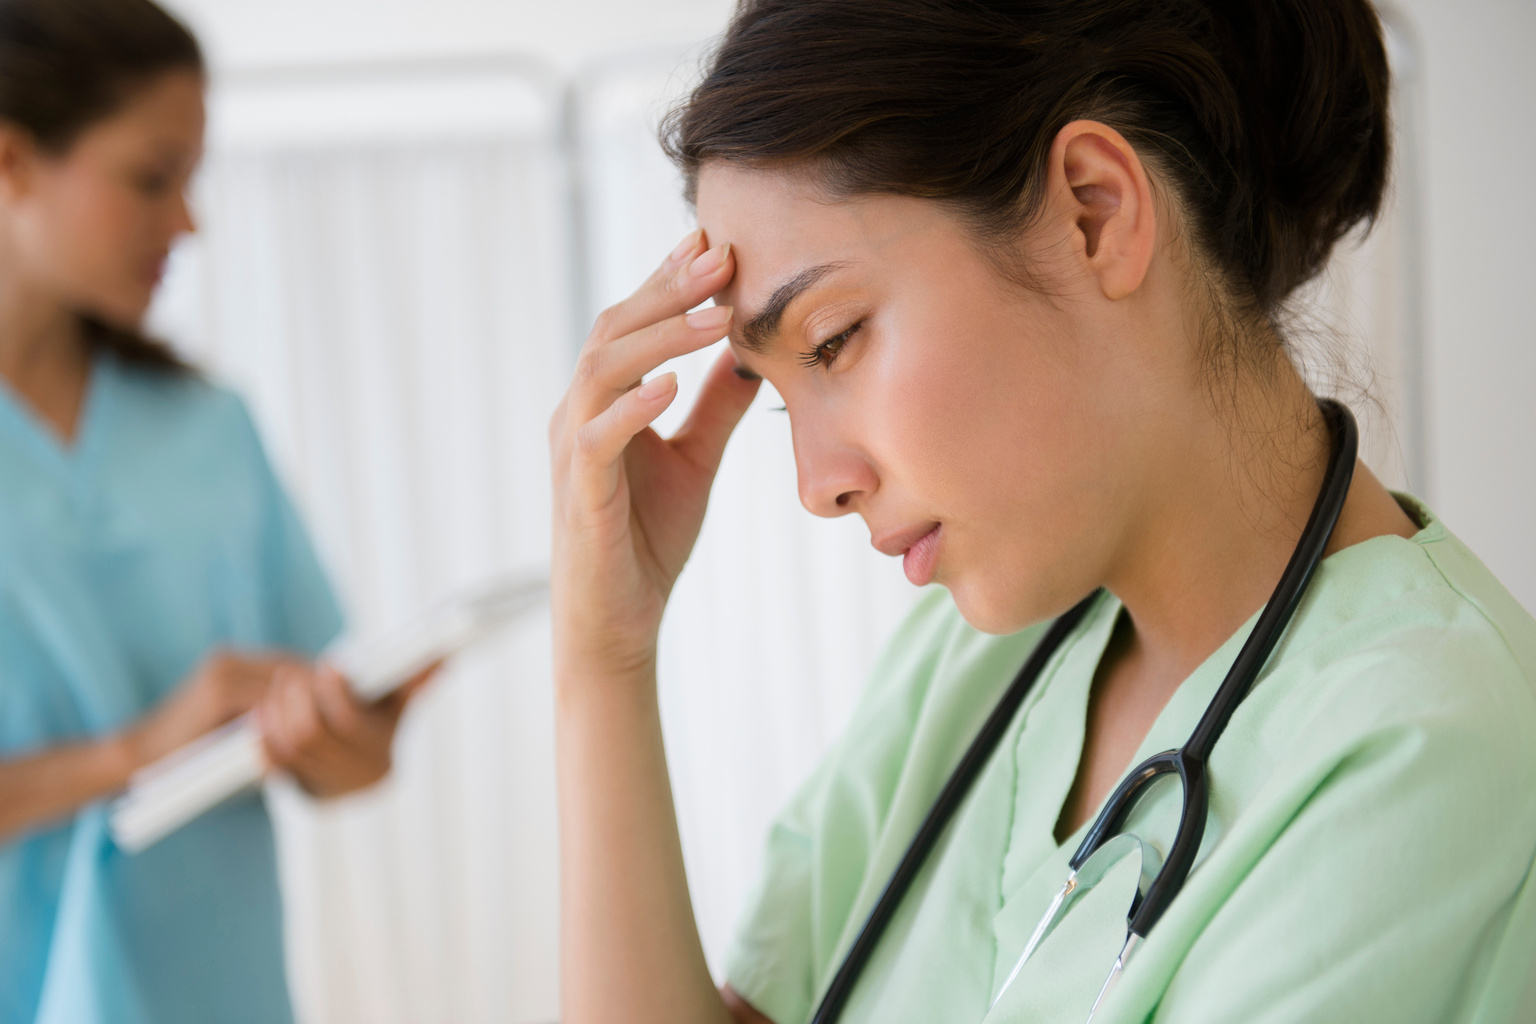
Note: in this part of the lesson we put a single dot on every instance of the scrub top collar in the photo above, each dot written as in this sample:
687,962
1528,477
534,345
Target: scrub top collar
67,460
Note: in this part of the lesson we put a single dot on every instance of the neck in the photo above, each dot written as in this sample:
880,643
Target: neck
38,335
1231,499
43,355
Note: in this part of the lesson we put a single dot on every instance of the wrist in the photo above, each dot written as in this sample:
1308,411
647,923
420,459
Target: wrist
118,757
579,680
590,658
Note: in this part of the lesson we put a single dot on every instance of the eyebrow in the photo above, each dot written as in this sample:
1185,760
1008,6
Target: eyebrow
758,331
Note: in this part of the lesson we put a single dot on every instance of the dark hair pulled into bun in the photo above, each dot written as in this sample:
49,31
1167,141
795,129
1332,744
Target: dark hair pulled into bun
1267,119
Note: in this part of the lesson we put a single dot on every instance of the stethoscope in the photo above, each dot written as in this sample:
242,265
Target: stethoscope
1105,844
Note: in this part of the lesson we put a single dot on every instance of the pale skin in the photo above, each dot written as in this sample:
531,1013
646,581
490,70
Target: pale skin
1060,437
88,230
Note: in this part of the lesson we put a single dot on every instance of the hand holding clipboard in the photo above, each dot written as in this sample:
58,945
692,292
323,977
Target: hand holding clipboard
167,794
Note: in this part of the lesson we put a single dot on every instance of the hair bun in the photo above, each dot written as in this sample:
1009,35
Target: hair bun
1268,118
1314,148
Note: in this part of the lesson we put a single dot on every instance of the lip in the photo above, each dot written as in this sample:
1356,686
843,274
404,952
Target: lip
922,559
919,548
897,542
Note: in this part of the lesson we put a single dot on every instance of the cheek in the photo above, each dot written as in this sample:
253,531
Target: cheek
994,431
970,421
93,239
104,225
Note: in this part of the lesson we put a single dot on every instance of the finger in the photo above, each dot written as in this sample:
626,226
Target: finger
340,709
605,372
304,727
722,402
691,245
394,704
250,677
271,662
254,681
293,732
271,747
601,441
419,681
259,666
668,292
275,738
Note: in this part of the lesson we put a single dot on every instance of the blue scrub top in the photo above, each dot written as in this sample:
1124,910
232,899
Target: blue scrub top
159,536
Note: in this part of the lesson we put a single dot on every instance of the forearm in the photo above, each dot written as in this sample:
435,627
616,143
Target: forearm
51,785
627,507
630,948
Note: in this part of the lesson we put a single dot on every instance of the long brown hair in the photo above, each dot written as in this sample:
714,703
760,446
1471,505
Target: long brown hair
1267,119
67,64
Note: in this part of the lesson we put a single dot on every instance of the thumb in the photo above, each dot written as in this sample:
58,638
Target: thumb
395,702
722,402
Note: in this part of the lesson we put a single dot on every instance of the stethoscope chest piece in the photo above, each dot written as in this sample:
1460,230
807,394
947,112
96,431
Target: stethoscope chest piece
1082,881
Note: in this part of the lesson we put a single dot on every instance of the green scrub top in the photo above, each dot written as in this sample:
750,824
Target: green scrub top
1367,858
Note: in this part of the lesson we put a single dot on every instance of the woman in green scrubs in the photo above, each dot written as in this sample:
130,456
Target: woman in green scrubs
1020,272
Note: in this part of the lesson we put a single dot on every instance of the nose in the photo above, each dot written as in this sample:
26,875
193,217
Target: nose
834,476
184,222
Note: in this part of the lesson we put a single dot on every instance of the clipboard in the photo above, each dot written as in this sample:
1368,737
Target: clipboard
163,796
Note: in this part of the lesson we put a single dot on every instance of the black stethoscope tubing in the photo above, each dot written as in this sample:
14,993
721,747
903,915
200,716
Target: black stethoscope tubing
1188,761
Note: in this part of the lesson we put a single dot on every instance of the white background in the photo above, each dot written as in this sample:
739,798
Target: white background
399,902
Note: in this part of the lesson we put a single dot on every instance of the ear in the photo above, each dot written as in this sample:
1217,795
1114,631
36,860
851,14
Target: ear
18,162
1100,188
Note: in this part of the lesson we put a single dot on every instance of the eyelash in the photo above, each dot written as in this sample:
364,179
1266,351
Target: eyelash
825,354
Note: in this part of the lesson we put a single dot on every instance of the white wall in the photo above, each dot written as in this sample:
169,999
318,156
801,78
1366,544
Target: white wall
1479,152
566,33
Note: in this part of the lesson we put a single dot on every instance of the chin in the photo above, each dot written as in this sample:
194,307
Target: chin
124,313
985,609
1002,607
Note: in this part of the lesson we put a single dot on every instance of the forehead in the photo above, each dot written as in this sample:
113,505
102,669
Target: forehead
168,108
778,225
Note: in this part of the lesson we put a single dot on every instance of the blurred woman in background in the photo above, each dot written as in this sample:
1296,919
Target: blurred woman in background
154,579
1020,273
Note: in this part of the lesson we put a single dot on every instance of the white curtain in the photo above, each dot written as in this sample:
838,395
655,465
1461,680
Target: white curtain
394,301
395,267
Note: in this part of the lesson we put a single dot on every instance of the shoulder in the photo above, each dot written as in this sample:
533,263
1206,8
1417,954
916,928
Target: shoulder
163,398
1412,646
179,415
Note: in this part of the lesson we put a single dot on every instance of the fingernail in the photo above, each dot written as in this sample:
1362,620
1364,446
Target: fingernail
686,246
661,384
710,261
710,318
